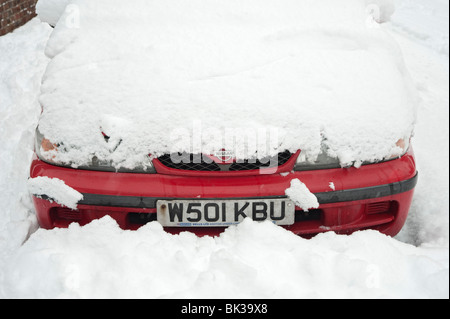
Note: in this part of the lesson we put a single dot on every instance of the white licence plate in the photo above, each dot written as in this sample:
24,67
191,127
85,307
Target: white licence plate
220,213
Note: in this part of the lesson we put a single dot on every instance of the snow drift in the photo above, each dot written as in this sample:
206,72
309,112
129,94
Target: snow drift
162,73
251,260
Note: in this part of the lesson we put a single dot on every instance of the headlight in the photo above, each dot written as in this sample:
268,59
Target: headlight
325,161
402,146
47,152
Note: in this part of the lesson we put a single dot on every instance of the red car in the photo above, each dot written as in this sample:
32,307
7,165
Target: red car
205,193
192,196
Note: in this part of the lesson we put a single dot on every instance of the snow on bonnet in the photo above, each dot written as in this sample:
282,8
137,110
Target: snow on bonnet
257,77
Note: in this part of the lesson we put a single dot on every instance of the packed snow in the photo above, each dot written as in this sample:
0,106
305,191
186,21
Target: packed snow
247,261
177,78
100,260
56,190
299,193
331,185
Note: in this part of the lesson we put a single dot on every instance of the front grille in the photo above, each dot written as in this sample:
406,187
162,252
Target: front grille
189,162
268,162
198,162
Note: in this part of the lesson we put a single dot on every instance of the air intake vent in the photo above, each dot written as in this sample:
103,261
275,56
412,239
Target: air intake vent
64,213
378,207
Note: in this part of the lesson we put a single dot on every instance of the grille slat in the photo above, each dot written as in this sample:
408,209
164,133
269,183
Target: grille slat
199,162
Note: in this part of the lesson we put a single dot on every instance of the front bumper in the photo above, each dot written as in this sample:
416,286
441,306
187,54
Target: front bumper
376,196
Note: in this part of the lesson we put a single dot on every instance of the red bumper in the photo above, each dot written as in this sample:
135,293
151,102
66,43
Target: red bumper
374,196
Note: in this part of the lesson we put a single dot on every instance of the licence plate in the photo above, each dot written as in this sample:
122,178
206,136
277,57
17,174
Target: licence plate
221,213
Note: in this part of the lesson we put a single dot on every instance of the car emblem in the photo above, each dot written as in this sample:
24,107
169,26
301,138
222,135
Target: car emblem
224,155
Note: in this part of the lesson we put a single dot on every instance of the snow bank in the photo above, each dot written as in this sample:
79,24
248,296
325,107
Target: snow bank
425,22
428,220
55,189
251,260
200,75
299,193
22,63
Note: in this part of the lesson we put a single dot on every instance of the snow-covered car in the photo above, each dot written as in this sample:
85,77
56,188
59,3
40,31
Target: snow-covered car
198,114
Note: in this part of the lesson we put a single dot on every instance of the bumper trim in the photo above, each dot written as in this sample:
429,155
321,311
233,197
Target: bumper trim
323,197
367,192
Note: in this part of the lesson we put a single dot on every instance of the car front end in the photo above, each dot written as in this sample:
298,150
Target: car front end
206,196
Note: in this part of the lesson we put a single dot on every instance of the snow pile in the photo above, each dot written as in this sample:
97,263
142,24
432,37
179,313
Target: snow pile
22,63
51,10
56,190
199,75
102,261
299,193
